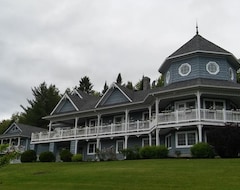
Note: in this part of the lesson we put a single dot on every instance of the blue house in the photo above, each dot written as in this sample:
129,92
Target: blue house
18,136
200,93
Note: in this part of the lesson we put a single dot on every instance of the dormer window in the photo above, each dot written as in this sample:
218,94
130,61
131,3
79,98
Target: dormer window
231,73
168,77
184,69
212,68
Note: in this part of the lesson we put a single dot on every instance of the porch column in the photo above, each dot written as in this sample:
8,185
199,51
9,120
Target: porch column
76,147
19,140
126,119
10,141
98,143
1,141
75,126
98,122
157,109
126,142
199,133
50,126
157,137
198,105
150,139
150,112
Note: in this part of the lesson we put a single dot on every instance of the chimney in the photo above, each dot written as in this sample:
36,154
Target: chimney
146,83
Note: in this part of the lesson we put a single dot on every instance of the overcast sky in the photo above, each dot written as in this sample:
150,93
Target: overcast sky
61,41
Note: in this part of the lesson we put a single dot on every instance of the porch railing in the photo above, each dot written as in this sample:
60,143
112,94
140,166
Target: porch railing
84,132
137,127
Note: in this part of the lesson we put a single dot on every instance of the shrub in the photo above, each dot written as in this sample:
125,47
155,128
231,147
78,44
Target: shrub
150,152
131,153
66,155
29,156
202,150
77,158
47,157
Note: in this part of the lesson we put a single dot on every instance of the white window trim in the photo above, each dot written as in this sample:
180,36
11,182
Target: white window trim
217,66
183,65
145,139
119,141
94,149
185,103
166,138
186,139
214,103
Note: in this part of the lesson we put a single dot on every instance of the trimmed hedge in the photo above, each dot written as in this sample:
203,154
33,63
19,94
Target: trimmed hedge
29,156
202,150
152,152
66,155
47,157
77,158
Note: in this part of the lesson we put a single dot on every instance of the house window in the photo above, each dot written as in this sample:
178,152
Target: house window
92,147
92,122
119,119
119,146
145,116
231,73
186,139
145,142
212,68
168,75
184,69
214,104
168,141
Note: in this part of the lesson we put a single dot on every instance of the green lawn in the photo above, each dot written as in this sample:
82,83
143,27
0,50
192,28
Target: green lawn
130,175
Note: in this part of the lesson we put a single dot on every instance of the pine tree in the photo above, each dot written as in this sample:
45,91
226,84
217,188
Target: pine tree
85,85
119,79
105,88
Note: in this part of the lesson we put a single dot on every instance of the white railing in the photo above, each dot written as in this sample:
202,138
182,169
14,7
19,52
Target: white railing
193,115
84,132
138,127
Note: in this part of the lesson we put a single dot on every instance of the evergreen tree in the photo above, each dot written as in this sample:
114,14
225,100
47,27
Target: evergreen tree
139,85
85,85
129,85
119,79
105,88
45,99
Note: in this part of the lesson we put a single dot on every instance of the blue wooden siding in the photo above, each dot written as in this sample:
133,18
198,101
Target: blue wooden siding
115,98
198,69
65,106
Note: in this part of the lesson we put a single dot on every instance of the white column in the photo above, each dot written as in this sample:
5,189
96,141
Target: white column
150,139
76,147
50,126
126,120
1,141
157,108
19,140
126,142
98,122
199,105
199,133
98,143
75,126
150,112
157,137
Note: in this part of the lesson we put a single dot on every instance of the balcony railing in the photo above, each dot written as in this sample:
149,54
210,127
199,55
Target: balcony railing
138,127
202,115
87,132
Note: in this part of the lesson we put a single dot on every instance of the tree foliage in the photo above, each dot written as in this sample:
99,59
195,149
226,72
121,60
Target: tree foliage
44,100
105,88
85,85
119,79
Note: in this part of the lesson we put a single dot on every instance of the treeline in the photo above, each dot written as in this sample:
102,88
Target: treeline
46,97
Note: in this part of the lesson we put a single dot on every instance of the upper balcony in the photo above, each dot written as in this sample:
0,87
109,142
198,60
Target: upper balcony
163,120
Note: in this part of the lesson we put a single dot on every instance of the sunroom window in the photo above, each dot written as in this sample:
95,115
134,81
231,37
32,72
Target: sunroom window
186,139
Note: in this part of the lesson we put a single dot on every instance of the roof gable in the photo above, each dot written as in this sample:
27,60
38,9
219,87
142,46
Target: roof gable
13,129
65,105
114,95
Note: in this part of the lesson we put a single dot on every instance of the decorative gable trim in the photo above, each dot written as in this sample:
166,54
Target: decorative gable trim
10,127
65,96
114,85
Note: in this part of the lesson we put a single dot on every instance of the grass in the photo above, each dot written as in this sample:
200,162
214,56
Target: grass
119,175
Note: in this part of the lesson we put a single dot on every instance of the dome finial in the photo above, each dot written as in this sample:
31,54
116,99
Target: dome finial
196,27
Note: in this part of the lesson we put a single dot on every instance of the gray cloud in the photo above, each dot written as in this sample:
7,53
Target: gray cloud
60,41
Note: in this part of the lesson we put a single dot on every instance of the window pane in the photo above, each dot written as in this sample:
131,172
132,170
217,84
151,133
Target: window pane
191,138
181,139
119,146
